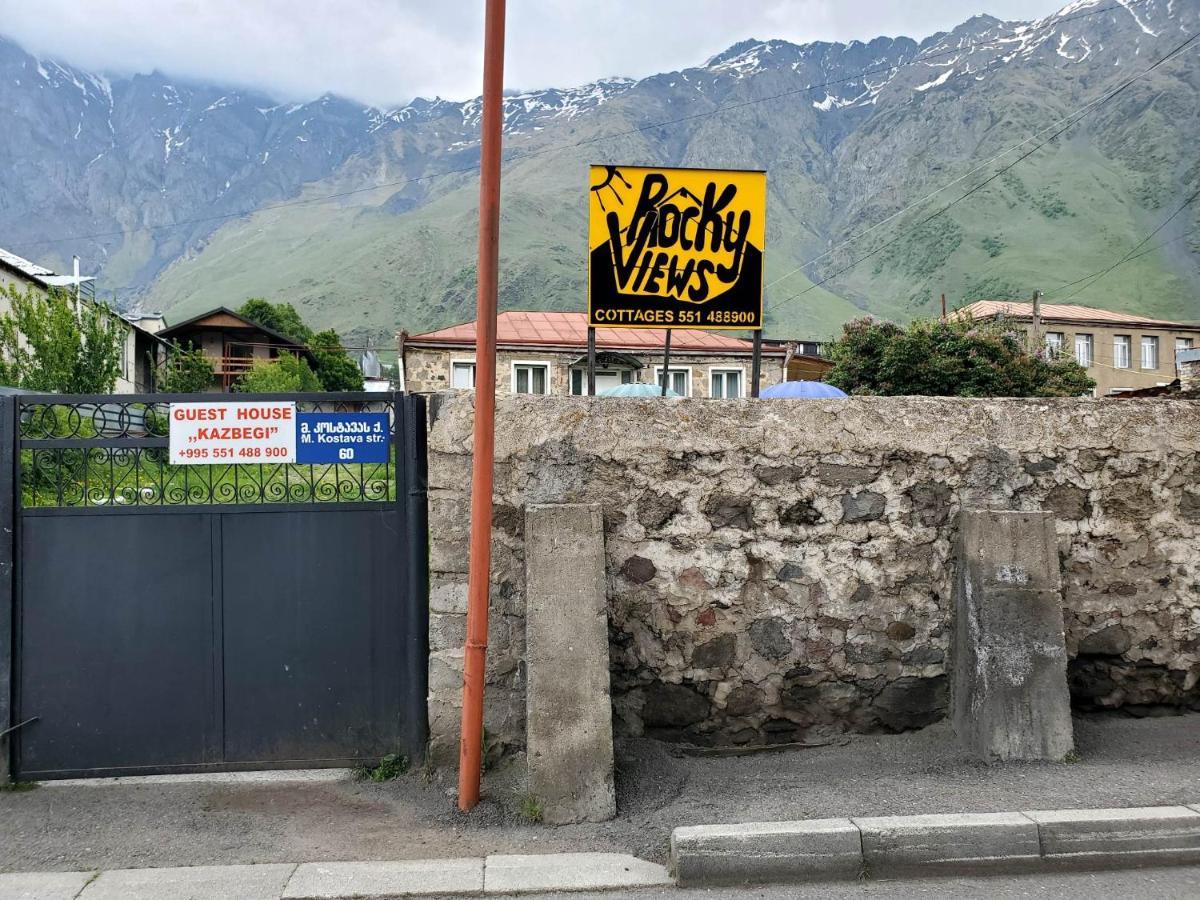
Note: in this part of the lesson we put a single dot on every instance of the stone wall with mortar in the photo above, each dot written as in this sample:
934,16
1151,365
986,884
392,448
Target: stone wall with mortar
782,570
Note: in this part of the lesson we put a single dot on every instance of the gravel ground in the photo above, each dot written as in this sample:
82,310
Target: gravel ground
1124,762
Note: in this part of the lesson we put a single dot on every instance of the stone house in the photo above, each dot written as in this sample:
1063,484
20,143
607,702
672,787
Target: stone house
140,348
1121,352
233,344
546,353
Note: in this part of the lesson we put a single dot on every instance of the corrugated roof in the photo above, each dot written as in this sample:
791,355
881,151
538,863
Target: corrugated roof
21,264
569,329
1061,312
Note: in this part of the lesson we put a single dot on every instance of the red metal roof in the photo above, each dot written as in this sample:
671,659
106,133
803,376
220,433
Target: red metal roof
569,329
1061,312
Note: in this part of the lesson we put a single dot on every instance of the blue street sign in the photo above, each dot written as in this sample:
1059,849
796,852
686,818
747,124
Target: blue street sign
342,438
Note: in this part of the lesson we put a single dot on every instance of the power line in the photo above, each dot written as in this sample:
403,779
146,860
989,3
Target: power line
1153,249
1076,117
921,202
1130,255
559,149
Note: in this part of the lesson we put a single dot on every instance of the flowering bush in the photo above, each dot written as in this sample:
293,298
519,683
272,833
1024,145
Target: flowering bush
956,358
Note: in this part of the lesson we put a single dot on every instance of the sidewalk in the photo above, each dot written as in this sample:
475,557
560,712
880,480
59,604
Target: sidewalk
1123,763
846,857
490,876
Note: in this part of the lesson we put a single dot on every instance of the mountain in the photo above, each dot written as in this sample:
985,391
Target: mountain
377,226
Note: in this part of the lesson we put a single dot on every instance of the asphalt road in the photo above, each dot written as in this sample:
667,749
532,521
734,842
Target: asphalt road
1142,884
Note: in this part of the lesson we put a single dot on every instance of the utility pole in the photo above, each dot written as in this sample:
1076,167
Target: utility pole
943,307
470,755
1037,322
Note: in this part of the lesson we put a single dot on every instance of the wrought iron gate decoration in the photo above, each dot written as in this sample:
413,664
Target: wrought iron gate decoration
173,618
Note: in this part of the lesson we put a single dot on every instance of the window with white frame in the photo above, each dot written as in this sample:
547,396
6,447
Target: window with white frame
680,380
725,384
531,378
1122,345
1084,349
1182,344
1149,352
1054,343
125,356
462,374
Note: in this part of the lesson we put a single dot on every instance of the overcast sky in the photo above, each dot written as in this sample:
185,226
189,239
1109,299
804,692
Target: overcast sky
387,51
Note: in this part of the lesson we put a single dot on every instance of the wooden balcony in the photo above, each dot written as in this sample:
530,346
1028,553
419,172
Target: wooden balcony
233,366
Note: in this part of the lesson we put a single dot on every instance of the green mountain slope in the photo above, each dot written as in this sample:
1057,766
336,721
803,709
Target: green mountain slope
839,160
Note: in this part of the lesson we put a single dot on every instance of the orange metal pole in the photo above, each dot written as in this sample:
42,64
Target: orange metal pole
479,566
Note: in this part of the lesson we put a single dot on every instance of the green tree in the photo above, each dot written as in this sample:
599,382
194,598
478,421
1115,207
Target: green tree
279,317
336,370
955,358
47,344
285,375
186,370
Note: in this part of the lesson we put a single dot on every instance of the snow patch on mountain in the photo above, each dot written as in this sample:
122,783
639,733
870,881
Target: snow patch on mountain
937,82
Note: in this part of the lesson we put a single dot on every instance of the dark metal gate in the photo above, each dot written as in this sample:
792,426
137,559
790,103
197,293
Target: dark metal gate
182,618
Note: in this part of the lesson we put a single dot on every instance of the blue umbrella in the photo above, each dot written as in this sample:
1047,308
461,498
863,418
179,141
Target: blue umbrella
636,390
802,390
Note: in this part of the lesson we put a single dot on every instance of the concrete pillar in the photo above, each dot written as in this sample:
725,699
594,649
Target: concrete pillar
568,705
1009,659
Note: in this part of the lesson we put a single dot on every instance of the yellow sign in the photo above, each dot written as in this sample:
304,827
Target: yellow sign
676,248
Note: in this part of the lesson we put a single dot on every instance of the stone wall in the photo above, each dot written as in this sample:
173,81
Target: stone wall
1188,362
781,570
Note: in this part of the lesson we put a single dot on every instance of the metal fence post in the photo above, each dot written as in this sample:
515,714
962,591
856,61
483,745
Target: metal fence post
8,500
411,487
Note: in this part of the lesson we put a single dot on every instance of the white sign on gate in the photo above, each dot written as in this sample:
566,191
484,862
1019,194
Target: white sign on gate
250,432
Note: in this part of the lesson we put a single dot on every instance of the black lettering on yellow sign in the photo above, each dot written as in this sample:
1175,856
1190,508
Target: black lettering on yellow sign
676,247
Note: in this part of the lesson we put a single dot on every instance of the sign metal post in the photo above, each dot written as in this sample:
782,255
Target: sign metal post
591,363
666,373
756,366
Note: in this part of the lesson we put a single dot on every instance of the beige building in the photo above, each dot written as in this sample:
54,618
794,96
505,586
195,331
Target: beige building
140,348
1121,352
546,353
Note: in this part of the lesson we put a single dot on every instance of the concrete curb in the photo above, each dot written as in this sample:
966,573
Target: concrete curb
275,776
768,851
495,875
900,846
